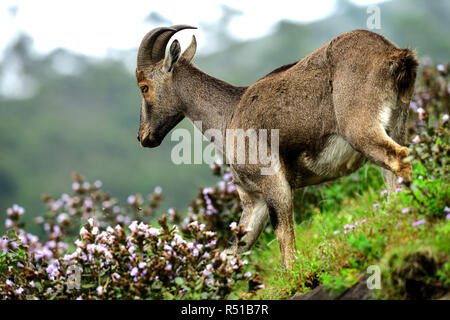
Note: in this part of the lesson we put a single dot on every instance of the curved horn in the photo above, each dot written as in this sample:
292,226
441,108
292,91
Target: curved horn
153,46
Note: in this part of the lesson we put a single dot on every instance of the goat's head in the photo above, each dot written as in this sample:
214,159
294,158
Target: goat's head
161,108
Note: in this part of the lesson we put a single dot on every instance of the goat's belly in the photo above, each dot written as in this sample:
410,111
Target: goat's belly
336,159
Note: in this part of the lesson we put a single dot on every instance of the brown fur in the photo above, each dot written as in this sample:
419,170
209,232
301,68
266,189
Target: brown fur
338,107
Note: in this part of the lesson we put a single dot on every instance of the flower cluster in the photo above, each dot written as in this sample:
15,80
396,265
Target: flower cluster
111,257
217,207
428,125
349,227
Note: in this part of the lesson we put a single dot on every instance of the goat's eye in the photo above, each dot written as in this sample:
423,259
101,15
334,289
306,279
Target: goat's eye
144,89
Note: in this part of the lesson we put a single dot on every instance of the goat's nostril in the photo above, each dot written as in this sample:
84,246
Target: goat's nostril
138,138
146,141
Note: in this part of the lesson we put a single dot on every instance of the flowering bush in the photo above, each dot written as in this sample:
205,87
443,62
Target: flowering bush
218,208
430,143
132,260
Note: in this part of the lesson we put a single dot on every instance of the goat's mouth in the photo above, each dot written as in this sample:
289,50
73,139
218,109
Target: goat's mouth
150,142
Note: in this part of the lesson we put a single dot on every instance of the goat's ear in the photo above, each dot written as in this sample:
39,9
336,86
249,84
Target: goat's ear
172,56
189,53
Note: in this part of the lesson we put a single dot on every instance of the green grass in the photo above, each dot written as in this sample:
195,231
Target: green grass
386,238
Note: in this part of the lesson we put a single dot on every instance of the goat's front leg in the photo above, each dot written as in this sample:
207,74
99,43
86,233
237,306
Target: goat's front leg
254,217
278,196
397,131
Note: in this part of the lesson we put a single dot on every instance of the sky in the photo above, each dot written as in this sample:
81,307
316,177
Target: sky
97,27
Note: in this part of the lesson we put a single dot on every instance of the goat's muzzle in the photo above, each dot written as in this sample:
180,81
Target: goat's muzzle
149,141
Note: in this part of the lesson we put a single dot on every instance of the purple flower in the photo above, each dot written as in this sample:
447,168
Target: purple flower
8,223
447,216
247,274
75,186
416,139
134,272
376,204
398,189
227,177
418,223
212,243
405,210
336,231
206,255
99,290
98,184
153,231
131,200
133,226
445,117
157,190
206,273
88,203
383,192
440,67
207,191
446,209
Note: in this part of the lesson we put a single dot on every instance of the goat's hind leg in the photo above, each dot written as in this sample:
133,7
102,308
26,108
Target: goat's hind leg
254,217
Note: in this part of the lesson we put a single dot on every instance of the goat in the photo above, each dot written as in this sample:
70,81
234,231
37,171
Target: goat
343,104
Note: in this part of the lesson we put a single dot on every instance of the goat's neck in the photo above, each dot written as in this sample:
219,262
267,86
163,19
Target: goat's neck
206,99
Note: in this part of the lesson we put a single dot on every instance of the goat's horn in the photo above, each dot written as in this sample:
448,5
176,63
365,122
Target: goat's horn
153,46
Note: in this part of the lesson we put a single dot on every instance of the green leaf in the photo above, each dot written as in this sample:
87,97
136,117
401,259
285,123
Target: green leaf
179,281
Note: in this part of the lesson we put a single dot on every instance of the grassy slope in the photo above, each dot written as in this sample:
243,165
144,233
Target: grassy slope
386,238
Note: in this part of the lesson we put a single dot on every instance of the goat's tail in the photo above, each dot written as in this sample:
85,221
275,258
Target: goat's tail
403,66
